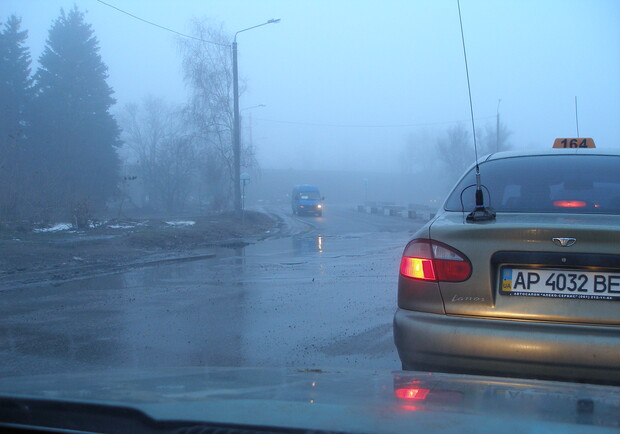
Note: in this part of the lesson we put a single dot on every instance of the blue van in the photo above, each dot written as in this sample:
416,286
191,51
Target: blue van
306,199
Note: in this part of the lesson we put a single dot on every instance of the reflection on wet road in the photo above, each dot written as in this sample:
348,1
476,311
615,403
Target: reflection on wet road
307,244
323,297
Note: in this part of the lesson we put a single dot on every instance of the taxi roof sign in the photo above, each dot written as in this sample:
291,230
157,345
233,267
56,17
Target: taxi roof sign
574,143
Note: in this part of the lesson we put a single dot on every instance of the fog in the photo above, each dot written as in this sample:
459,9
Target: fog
346,86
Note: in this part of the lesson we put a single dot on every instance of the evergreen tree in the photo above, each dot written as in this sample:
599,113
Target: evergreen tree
15,81
15,99
76,135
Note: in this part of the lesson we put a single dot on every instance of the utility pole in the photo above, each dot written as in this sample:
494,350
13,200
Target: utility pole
497,128
236,134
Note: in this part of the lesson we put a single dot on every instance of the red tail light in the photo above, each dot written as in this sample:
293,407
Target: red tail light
411,393
430,260
569,203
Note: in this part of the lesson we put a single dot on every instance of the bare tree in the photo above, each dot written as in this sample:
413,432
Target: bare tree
494,139
456,151
418,154
163,150
207,66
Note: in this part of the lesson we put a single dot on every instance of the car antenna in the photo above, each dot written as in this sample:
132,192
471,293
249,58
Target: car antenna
480,213
577,117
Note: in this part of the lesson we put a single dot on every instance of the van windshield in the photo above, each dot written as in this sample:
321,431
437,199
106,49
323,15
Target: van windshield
310,195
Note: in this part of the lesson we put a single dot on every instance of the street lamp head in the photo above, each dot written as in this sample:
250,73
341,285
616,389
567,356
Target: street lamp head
271,21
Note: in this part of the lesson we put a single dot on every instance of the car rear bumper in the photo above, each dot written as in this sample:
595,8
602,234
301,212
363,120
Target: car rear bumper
427,341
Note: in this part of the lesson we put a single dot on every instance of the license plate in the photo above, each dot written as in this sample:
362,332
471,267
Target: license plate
590,285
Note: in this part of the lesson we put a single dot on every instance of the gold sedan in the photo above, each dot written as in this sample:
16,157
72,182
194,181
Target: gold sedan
530,289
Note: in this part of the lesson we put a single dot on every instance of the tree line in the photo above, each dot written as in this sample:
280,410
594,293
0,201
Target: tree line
64,155
444,156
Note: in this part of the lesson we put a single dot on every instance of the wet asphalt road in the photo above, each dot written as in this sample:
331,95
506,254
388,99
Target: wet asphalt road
319,296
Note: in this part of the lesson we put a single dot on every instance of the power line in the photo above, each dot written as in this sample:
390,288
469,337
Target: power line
315,124
159,26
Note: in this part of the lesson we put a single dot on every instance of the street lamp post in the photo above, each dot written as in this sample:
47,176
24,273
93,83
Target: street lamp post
236,129
245,178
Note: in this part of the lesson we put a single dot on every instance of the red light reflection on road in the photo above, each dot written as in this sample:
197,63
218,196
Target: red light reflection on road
411,408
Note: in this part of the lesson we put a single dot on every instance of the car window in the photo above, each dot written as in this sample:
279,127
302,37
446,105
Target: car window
544,184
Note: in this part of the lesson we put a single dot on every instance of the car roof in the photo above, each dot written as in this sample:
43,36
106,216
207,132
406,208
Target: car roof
306,187
551,151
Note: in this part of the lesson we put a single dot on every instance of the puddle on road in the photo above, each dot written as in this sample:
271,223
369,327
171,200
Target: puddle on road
303,245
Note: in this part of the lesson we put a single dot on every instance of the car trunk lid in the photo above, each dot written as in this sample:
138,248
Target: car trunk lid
522,243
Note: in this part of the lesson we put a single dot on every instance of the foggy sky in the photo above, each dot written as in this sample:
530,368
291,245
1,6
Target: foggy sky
346,83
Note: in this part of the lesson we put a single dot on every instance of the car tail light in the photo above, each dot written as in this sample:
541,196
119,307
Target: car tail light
430,260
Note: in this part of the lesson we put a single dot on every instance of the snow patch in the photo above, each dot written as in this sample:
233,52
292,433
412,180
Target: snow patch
56,228
181,223
121,226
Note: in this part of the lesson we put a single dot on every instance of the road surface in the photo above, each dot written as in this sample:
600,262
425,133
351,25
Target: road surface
320,295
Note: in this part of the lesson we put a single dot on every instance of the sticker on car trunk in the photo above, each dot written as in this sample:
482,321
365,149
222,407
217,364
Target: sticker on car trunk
560,283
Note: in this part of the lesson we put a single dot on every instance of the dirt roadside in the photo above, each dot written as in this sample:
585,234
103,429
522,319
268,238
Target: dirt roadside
50,254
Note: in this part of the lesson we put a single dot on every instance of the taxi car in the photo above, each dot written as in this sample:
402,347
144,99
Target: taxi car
534,290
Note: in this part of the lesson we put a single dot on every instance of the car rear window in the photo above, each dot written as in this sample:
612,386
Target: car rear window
544,184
